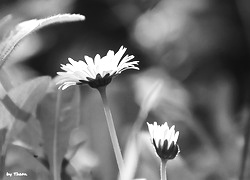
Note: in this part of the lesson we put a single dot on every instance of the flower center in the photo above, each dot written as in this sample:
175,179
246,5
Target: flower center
99,81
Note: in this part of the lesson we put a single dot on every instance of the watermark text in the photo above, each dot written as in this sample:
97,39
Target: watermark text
13,174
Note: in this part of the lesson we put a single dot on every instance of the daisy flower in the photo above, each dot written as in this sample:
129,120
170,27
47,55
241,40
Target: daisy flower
96,72
164,140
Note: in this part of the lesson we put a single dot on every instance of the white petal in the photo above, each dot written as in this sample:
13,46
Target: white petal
110,64
91,66
66,85
68,67
119,55
110,54
89,61
171,135
63,81
176,137
82,64
126,59
66,75
130,65
150,129
97,59
73,62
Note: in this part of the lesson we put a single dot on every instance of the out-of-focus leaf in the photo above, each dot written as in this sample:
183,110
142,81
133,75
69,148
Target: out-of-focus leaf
73,149
6,24
81,159
5,81
22,100
76,143
30,138
18,105
152,96
20,160
5,117
147,100
157,91
84,161
5,20
25,28
58,114
16,108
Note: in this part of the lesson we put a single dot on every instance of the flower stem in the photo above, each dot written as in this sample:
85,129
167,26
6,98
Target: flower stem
246,146
163,169
111,127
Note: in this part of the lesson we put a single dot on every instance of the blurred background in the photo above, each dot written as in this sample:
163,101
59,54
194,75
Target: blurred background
194,54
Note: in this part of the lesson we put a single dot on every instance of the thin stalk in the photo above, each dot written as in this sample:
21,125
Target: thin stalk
7,85
244,20
245,148
163,169
3,151
55,171
111,127
2,166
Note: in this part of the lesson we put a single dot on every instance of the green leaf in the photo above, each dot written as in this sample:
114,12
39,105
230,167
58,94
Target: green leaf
58,114
25,28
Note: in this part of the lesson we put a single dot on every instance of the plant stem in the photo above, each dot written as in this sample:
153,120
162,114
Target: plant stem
246,146
3,146
163,169
7,85
111,127
56,171
243,18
